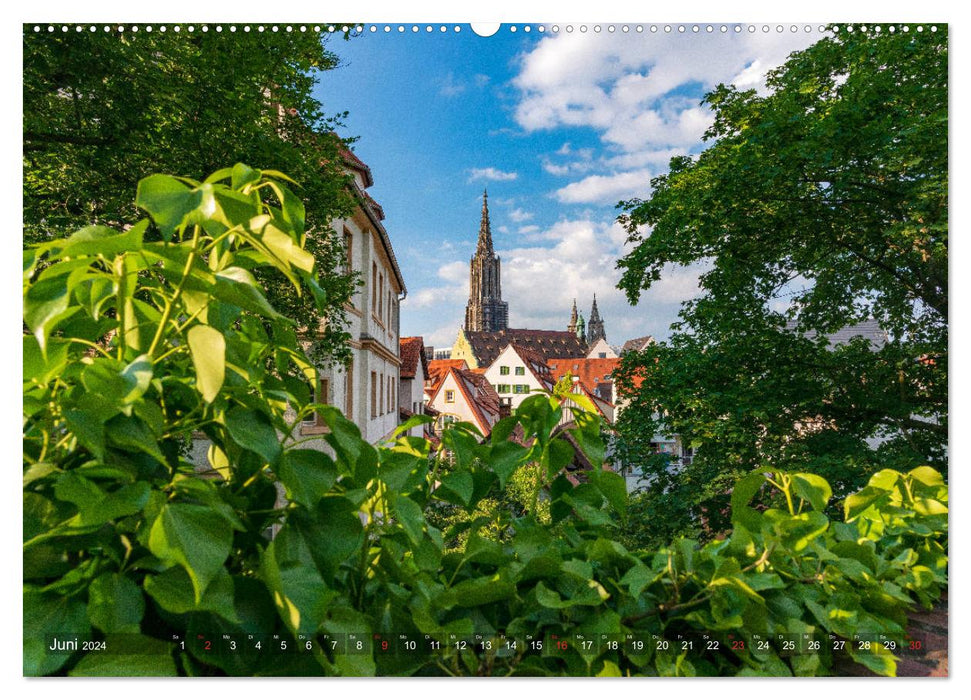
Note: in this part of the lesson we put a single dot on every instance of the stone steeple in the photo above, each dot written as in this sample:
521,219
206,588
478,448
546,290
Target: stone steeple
596,325
486,311
484,246
581,330
572,327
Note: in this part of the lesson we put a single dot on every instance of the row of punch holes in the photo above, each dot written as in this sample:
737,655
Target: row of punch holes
414,28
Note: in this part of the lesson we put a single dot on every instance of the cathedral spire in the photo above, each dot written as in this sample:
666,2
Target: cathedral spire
485,230
596,325
573,318
594,312
486,311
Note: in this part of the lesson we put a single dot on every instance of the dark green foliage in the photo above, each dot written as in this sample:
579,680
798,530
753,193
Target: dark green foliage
104,110
822,204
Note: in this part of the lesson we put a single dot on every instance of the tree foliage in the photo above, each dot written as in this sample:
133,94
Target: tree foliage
104,110
819,205
136,346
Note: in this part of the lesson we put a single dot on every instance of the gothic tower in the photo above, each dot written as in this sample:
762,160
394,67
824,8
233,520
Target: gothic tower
486,311
572,327
595,327
581,331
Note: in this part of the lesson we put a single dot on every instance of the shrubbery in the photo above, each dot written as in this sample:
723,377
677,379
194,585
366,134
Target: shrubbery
136,346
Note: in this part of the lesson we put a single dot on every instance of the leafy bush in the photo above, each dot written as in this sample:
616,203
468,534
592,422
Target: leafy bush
135,347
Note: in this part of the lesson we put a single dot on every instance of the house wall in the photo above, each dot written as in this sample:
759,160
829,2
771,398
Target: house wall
367,391
601,349
510,358
462,350
458,407
411,396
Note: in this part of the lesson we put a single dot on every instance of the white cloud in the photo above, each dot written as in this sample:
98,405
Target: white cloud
519,215
526,230
626,86
491,174
604,189
456,272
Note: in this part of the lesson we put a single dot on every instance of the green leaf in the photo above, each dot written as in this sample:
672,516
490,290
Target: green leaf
858,503
456,488
173,590
252,431
812,488
115,604
478,591
927,476
196,537
103,241
208,349
610,669
614,488
47,616
237,286
307,474
46,303
140,657
411,518
332,532
167,200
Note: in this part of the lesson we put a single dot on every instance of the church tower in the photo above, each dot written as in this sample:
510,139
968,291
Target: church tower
595,328
572,327
486,311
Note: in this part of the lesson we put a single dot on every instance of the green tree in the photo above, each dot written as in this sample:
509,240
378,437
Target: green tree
818,205
103,110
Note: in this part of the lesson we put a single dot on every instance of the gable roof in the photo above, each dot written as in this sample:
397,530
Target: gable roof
637,344
869,330
535,363
477,393
412,352
486,345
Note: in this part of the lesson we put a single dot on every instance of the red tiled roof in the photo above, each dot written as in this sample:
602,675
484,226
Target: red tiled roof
412,352
357,164
591,371
378,210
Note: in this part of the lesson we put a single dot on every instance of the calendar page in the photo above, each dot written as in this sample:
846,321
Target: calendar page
437,349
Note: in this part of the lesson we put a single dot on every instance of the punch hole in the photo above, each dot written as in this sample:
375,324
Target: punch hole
486,29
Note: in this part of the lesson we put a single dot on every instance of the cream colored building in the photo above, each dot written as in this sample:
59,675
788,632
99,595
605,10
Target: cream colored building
516,373
367,389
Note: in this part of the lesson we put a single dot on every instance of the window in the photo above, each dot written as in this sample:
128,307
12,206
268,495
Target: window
349,390
520,389
520,371
380,295
374,287
449,396
381,393
318,394
602,355
502,389
348,250
503,369
374,394
390,394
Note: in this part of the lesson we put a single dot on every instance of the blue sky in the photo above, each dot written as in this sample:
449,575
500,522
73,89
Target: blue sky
559,127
